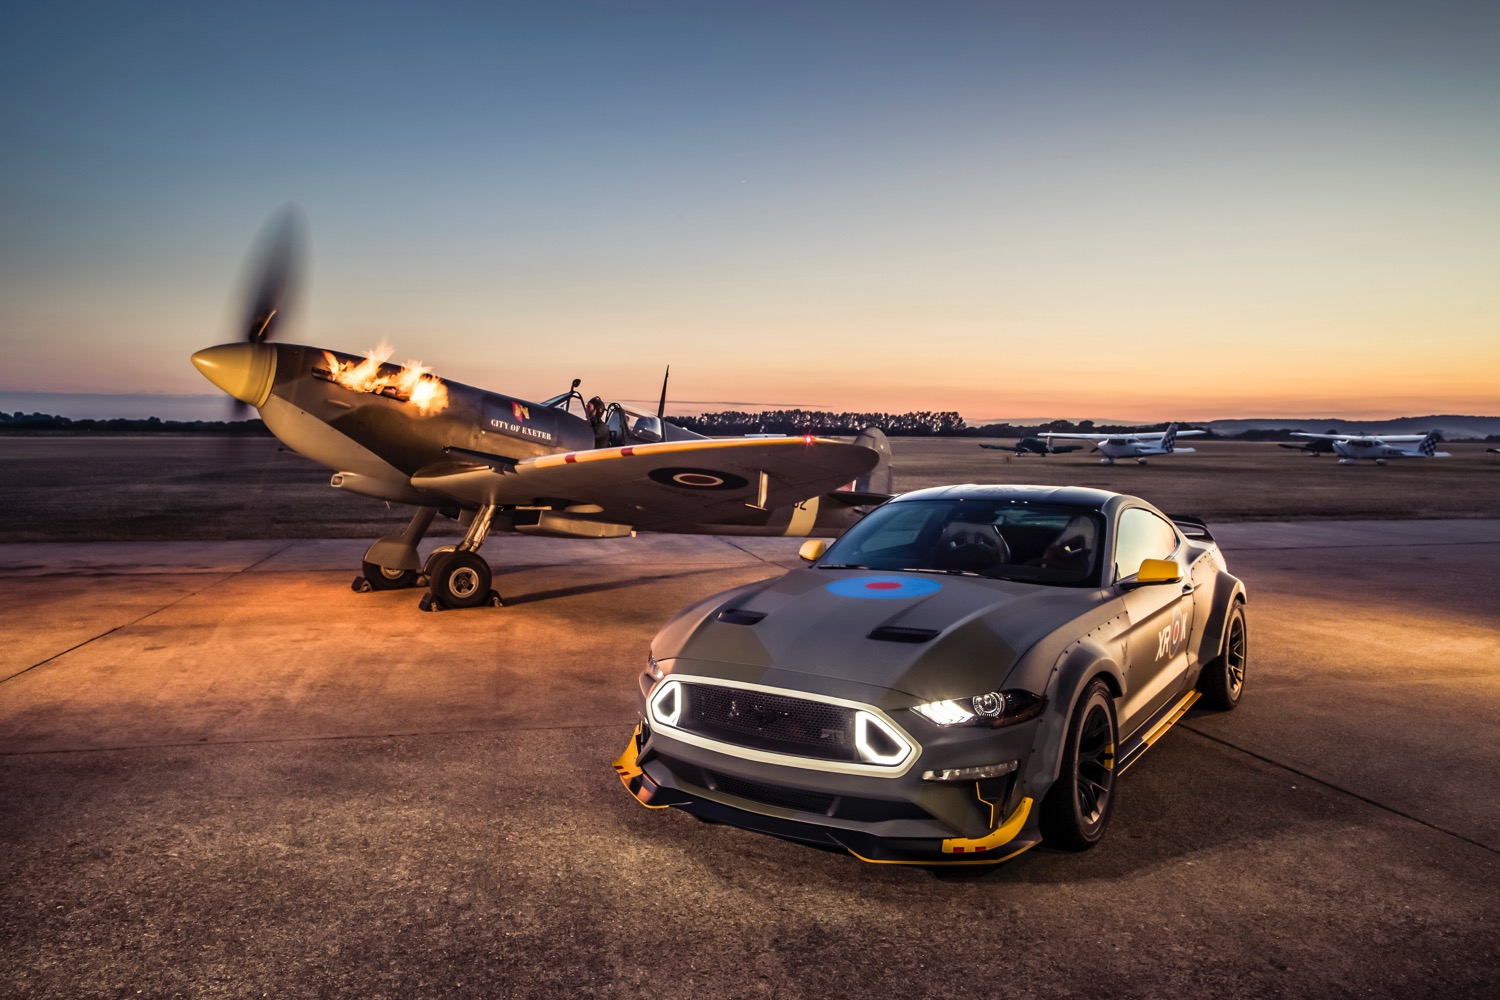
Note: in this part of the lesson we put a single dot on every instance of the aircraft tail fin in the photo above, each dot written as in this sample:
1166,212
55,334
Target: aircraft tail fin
1428,445
878,479
1169,439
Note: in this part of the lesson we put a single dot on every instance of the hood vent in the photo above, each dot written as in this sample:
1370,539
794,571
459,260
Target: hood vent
895,633
734,616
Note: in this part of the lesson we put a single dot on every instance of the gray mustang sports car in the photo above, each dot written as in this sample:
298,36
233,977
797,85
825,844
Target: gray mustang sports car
961,676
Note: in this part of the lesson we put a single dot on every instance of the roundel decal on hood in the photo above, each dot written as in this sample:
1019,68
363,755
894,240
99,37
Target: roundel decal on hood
698,479
884,587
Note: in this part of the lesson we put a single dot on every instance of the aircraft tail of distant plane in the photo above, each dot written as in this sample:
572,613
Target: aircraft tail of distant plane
1169,439
1428,445
878,479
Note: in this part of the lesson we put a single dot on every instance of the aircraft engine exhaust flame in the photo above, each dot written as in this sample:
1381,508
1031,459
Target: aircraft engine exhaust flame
412,383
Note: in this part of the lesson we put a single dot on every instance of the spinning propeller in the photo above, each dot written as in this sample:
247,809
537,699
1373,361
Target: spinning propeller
244,370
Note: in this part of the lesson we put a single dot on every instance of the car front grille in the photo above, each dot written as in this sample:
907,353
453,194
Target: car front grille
772,795
771,722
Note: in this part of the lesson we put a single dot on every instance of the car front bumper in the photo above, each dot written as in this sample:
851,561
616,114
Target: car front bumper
904,820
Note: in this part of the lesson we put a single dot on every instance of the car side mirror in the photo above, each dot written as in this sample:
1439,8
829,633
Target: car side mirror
1154,571
812,550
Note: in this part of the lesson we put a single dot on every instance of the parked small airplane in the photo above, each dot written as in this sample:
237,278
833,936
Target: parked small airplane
1378,447
1136,446
1315,448
1034,446
499,462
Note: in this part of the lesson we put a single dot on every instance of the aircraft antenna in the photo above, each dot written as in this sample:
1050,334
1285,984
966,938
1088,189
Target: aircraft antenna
661,407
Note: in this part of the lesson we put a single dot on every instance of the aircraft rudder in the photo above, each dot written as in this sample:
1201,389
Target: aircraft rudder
878,479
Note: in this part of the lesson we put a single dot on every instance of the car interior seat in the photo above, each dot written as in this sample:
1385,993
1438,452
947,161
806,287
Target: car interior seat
971,548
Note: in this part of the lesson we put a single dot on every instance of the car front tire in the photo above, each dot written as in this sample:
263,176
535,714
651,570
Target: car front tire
1077,807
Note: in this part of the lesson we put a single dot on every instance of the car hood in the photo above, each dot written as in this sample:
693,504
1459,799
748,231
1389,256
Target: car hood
819,622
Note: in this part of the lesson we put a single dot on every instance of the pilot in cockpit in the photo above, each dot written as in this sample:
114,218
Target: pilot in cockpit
595,410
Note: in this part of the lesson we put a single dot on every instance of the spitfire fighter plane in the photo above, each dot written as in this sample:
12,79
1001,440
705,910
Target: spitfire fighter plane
1315,448
1136,446
1350,448
1034,446
560,467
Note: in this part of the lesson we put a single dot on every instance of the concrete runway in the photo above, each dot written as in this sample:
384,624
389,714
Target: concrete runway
223,773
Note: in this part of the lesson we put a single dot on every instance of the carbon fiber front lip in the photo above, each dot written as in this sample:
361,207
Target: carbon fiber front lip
913,850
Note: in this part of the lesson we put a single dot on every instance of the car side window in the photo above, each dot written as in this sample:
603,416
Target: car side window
1142,535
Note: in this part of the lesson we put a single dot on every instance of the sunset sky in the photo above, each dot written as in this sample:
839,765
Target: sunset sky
1137,211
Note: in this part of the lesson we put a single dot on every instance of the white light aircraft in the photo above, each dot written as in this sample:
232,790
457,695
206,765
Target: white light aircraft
1350,448
1136,446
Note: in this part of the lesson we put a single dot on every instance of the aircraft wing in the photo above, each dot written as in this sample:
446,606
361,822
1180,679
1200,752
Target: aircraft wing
658,486
1329,437
1095,438
1183,434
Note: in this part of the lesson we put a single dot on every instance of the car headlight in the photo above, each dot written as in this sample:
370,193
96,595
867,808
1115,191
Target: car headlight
666,704
653,669
992,709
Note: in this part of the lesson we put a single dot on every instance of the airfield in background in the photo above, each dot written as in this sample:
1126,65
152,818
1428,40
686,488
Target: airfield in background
80,488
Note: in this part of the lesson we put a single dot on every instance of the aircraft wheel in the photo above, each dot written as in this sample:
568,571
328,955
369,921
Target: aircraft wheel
462,580
385,578
436,556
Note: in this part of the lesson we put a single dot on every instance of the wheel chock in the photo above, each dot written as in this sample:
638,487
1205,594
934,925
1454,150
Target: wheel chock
430,603
361,585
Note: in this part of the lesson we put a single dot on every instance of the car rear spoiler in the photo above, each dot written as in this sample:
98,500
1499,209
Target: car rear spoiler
1192,527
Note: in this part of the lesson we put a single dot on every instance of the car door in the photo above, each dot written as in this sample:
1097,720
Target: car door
1160,616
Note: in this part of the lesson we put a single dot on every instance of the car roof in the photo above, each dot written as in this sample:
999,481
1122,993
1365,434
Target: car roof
1072,496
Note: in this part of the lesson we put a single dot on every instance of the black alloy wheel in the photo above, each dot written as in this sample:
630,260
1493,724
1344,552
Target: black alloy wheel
1077,808
1223,679
462,580
385,578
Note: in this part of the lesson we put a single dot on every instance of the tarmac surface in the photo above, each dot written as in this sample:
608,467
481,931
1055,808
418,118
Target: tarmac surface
223,773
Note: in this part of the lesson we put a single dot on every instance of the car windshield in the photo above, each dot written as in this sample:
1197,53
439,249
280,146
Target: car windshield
1052,544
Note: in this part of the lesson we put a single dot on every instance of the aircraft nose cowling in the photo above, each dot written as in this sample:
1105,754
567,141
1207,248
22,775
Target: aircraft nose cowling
245,371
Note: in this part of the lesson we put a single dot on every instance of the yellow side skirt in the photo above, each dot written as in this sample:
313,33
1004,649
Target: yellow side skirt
1160,729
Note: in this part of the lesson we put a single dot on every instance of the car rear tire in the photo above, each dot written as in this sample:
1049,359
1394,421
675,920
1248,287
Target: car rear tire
1223,679
1077,807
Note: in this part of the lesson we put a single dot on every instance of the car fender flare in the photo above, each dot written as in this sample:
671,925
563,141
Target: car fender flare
1227,589
1075,669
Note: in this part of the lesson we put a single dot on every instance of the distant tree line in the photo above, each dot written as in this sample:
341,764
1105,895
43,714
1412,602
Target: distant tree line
732,422
922,423
44,422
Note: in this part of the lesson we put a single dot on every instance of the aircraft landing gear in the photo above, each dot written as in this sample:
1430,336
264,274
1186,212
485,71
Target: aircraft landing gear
376,577
392,562
1140,461
462,578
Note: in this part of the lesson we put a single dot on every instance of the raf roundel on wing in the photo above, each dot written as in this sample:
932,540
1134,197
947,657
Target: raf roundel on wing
884,587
